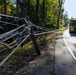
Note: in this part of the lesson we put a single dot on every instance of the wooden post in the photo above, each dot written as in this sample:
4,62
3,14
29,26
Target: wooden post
35,43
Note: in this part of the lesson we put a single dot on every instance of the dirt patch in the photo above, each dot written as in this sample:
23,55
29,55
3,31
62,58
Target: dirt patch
28,63
43,64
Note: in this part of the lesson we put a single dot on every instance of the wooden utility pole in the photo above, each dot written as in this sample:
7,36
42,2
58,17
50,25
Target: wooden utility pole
34,42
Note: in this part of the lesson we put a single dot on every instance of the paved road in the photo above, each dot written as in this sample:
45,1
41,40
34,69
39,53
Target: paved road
65,54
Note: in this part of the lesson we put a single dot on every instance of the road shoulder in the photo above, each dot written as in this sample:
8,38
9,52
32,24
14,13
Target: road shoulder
64,62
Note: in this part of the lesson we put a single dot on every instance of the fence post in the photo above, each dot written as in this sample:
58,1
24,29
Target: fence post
34,42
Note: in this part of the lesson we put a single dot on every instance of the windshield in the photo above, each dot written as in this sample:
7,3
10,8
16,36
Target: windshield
73,23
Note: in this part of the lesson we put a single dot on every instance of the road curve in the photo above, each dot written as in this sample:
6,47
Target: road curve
65,54
70,41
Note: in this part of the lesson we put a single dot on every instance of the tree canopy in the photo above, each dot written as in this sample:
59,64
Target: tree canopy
48,13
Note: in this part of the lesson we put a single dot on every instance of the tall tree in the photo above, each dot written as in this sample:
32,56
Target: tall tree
60,3
43,15
37,11
5,7
29,8
66,19
59,6
2,7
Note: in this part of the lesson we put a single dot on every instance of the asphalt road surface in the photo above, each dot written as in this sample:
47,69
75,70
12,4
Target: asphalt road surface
65,54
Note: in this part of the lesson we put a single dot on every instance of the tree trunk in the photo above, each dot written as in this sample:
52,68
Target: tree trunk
43,15
29,8
5,7
37,10
17,9
59,12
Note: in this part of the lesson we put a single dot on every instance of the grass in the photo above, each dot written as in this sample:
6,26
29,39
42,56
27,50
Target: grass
25,53
2,50
28,47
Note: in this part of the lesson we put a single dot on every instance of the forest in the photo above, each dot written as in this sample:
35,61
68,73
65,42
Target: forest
48,13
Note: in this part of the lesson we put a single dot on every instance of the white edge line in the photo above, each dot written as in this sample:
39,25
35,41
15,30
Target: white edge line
69,47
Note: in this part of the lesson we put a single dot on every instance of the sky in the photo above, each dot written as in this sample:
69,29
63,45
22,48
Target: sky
70,7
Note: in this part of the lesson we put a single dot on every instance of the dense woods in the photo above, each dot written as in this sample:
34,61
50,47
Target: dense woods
48,13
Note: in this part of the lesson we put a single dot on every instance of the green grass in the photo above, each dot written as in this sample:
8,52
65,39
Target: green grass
2,48
25,53
27,47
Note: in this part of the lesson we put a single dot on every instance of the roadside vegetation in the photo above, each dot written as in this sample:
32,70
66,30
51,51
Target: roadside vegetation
21,57
46,13
26,57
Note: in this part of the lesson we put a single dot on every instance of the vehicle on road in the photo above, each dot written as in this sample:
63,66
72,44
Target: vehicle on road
72,25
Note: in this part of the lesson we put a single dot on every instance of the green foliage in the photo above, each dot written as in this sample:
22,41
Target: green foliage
48,13
66,19
1,9
10,8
